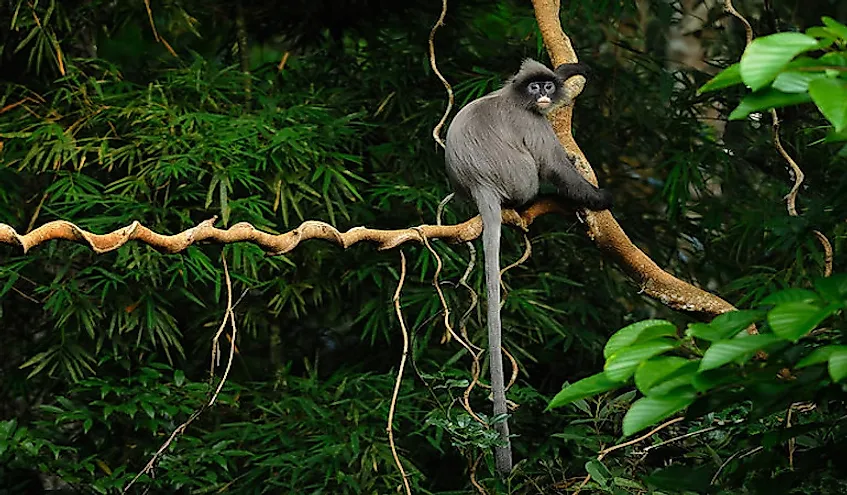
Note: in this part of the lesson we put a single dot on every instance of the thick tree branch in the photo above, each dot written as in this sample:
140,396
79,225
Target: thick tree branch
602,226
272,243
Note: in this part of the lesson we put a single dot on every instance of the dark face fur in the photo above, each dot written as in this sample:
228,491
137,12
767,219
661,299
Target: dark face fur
543,94
537,88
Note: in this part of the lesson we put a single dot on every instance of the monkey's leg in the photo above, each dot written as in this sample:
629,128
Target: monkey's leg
573,186
489,209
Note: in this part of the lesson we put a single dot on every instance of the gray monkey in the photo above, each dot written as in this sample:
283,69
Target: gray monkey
498,148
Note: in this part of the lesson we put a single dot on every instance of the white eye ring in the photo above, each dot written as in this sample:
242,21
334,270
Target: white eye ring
534,87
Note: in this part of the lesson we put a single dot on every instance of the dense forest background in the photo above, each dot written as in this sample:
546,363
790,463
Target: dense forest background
171,112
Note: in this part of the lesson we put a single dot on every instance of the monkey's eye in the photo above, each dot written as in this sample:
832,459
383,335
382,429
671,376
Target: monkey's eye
549,87
534,87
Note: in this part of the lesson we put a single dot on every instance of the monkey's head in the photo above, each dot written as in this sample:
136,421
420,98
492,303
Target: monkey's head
540,89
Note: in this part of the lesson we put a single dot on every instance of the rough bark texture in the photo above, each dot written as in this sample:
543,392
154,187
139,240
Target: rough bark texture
602,226
272,243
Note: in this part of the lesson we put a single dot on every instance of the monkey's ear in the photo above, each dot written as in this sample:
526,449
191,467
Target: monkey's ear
569,70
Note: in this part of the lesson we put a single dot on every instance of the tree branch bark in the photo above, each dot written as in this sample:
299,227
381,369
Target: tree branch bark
603,229
272,243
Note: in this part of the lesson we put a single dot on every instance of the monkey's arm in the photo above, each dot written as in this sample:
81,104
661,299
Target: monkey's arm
557,167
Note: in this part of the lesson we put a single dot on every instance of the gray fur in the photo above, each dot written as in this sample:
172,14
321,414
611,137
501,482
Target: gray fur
499,147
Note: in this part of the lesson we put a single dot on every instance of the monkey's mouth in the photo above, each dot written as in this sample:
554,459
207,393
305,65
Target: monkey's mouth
543,102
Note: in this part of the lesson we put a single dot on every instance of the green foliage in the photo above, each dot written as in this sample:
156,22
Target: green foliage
104,122
772,68
672,383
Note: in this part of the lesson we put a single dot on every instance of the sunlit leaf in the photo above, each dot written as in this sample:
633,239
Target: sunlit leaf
725,325
819,355
836,27
795,82
790,295
587,387
638,332
727,351
661,374
790,321
725,78
621,365
648,411
830,95
838,365
599,472
766,99
766,56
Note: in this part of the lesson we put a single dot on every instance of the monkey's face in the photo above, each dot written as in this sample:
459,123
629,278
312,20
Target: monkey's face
544,94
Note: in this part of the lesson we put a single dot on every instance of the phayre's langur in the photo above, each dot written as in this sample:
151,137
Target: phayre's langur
498,149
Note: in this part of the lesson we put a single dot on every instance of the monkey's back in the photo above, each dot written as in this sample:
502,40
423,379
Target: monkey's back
486,151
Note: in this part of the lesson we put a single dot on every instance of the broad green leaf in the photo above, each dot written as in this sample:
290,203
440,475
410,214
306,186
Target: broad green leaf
726,351
796,82
766,99
835,27
586,387
833,289
790,321
724,79
655,370
621,365
838,365
599,472
830,95
790,295
766,57
819,355
725,325
650,410
824,35
834,59
638,332
179,377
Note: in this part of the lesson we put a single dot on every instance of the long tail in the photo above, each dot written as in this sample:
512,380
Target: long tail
490,211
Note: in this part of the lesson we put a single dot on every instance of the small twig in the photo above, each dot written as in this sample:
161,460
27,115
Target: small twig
436,131
748,29
474,482
449,328
603,453
231,313
827,252
389,428
150,18
799,176
677,438
441,206
581,485
36,212
230,316
525,256
792,442
733,456
463,321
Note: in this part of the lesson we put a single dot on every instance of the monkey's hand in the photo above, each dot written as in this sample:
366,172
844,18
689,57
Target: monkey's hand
604,203
566,71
